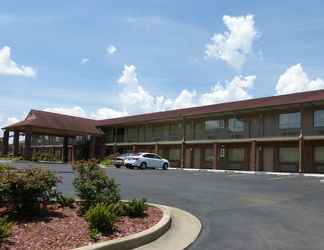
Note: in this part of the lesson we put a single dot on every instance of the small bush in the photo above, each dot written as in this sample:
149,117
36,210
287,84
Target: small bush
94,186
27,191
65,201
5,229
106,162
136,208
119,208
101,218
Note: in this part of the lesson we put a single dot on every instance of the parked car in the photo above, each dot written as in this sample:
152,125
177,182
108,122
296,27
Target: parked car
146,160
118,161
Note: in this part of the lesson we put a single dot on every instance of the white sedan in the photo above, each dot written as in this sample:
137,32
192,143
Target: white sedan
146,160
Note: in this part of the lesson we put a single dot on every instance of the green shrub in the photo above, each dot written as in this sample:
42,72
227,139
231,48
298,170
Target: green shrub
95,234
65,201
3,167
119,208
136,208
5,228
101,218
27,191
94,186
106,162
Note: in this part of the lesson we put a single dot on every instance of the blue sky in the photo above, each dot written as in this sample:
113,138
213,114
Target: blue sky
160,60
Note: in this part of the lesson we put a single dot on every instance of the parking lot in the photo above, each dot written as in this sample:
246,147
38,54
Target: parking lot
238,211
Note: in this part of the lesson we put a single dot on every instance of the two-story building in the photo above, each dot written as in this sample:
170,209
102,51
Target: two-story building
279,133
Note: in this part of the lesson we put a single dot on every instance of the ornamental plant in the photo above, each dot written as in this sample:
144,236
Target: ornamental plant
27,191
5,228
101,219
93,186
136,208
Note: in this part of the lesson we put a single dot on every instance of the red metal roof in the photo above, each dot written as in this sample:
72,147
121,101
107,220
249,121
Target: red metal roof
289,99
58,122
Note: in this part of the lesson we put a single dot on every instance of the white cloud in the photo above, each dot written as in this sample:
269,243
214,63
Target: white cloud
184,100
74,111
6,122
135,99
235,90
84,60
106,113
294,79
234,45
111,49
9,67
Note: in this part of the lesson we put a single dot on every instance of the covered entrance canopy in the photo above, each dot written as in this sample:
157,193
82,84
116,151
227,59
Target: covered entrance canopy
47,123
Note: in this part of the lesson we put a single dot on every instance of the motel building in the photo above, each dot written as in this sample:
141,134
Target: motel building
280,133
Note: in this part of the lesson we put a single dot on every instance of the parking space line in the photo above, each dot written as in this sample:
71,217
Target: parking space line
280,178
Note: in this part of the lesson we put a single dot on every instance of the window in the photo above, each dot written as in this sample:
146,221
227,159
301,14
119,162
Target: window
213,125
319,118
319,154
288,154
289,120
236,125
209,156
236,154
174,154
222,152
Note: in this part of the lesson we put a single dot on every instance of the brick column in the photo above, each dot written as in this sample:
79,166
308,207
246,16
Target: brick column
93,147
27,150
183,154
73,154
216,147
253,156
65,150
301,147
16,143
156,148
5,149
134,149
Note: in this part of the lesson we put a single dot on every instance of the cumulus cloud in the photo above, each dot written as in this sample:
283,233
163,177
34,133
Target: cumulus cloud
106,113
236,89
84,60
111,49
294,79
234,45
74,111
6,122
9,67
135,99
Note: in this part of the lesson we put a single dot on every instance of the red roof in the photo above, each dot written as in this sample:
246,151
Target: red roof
42,120
58,122
289,99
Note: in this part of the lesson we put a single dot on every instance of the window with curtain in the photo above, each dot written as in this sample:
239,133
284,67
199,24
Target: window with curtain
236,125
213,125
236,154
319,118
288,154
289,120
319,154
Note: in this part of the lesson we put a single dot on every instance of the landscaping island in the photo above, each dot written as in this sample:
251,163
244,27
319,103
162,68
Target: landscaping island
34,215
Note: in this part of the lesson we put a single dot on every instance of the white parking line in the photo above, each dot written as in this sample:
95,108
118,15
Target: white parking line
281,178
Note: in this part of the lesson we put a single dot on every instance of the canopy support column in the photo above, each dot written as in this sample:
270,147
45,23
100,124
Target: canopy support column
5,148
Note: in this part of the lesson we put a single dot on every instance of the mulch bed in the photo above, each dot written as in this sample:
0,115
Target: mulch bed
64,228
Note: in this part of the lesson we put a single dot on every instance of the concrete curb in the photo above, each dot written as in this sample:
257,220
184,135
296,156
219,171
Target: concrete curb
185,229
138,239
247,172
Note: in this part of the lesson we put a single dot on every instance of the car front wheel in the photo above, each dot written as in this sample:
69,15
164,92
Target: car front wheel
143,165
165,166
